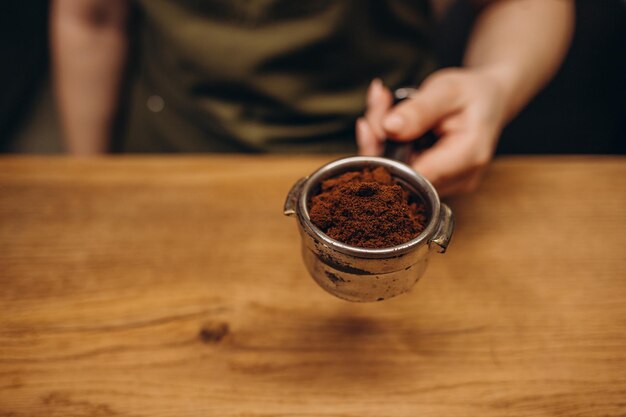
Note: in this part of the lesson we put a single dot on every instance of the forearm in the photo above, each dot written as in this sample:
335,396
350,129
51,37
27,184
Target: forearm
521,43
89,45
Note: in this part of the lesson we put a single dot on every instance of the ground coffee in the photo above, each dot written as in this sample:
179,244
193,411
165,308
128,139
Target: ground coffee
367,209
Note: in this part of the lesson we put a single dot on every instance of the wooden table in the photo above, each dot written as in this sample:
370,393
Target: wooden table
173,286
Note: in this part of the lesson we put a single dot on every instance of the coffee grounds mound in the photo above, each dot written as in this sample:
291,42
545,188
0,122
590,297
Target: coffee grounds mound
368,209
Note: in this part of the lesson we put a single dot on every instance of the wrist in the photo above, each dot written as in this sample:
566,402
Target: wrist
508,81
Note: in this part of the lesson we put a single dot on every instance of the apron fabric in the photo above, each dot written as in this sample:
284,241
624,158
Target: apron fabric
278,76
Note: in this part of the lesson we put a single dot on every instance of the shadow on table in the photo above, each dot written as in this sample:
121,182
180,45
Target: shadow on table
340,348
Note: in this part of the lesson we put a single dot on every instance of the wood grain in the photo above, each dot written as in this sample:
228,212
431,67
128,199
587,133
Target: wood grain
162,287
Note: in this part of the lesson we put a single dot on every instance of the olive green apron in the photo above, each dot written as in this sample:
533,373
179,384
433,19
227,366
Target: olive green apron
282,76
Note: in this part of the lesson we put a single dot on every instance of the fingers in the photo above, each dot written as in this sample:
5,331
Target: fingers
444,160
428,106
366,141
452,162
370,134
379,101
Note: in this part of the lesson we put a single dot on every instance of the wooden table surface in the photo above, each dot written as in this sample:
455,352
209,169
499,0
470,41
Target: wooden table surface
173,286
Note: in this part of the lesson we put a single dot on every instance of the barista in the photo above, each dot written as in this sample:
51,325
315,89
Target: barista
292,77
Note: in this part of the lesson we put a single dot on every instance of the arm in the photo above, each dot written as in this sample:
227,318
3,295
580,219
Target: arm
515,48
522,43
88,44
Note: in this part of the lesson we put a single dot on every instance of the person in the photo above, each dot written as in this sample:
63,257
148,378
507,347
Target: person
283,76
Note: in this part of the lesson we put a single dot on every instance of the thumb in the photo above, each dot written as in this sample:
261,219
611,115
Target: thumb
423,110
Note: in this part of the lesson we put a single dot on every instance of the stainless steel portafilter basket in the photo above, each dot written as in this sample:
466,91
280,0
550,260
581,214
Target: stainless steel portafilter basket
362,274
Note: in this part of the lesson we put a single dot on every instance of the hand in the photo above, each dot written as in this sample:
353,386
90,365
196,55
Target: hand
465,107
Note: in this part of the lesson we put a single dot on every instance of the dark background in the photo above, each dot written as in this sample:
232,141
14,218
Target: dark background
583,110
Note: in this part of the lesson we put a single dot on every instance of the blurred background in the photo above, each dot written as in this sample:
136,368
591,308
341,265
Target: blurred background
583,109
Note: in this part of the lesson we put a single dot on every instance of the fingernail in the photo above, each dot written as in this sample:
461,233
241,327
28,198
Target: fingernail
394,123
